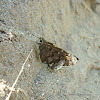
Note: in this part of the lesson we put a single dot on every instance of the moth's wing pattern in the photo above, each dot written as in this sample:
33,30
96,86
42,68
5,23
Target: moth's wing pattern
45,51
52,55
58,65
55,57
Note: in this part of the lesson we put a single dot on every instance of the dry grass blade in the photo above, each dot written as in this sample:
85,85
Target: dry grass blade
18,76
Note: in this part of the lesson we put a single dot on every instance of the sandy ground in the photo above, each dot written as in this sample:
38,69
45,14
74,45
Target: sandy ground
73,25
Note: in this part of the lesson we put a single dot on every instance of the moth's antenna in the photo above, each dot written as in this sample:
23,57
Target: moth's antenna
36,36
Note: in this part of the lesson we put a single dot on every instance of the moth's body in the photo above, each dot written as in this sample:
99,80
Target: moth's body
55,57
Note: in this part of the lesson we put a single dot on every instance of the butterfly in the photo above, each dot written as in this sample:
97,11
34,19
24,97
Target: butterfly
54,56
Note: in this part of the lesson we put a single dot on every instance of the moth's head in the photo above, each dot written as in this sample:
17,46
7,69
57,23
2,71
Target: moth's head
41,40
72,59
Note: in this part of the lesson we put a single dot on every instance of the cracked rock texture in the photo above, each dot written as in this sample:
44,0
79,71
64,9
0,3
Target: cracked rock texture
73,25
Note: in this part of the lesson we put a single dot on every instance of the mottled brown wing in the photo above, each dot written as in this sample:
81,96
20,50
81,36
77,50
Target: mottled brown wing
51,55
55,57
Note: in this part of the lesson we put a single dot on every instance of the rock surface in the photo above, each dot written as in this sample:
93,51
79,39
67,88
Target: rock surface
73,25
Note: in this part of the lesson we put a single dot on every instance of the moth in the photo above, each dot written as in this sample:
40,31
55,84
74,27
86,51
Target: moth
54,56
